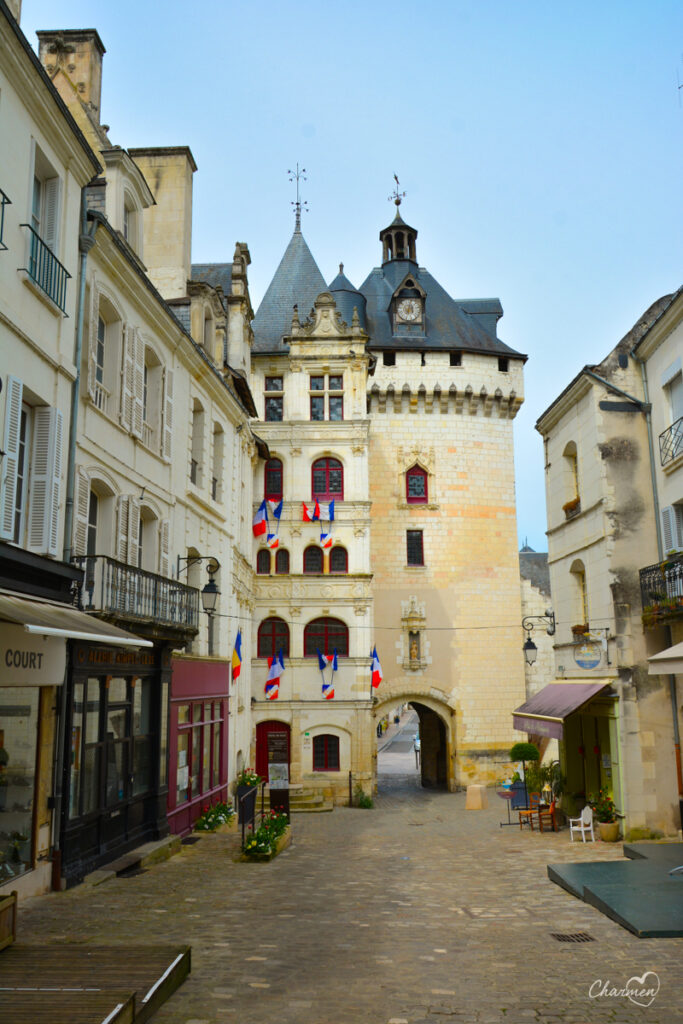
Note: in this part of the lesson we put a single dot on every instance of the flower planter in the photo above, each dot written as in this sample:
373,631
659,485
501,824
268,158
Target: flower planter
281,843
609,831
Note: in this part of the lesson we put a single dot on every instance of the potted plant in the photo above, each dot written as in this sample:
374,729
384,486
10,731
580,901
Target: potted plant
214,819
605,814
580,630
247,786
524,752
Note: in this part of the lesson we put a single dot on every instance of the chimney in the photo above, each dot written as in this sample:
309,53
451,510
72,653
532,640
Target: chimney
78,53
168,225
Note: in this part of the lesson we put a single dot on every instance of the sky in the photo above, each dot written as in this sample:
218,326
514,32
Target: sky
539,145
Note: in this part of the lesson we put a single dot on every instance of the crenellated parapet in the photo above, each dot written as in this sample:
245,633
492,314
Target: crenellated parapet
451,399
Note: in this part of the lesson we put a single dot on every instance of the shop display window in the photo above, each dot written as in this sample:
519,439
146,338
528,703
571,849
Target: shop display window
18,739
200,749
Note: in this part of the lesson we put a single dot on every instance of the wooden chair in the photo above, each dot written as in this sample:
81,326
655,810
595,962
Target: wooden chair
546,815
526,814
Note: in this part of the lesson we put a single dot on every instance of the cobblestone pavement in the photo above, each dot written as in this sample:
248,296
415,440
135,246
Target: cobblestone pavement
415,911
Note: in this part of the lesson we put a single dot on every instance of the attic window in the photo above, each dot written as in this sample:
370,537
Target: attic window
389,358
455,358
410,284
503,364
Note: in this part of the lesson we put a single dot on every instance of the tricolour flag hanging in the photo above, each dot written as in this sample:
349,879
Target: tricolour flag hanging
323,661
326,511
276,666
276,509
325,540
273,541
237,656
376,669
311,513
260,524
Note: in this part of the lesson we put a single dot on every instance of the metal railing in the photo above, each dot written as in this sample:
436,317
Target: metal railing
100,396
128,592
4,201
247,814
671,442
662,584
45,269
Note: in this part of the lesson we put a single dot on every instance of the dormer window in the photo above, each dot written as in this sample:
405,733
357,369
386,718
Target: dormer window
131,223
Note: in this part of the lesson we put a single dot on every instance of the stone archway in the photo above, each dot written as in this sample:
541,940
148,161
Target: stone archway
437,734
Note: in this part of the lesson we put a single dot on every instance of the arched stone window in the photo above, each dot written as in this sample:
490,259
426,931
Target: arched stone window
263,561
272,476
325,635
327,479
416,486
339,559
313,559
273,634
282,562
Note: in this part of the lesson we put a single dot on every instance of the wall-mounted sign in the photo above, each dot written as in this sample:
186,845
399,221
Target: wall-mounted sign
588,655
30,660
278,776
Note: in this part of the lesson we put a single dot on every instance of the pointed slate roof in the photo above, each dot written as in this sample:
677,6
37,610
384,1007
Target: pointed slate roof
347,298
466,324
297,281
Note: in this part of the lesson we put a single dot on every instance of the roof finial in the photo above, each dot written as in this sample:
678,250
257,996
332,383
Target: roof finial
297,176
341,268
396,195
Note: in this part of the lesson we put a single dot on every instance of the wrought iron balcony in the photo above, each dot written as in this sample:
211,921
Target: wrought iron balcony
124,592
4,201
661,590
45,269
671,442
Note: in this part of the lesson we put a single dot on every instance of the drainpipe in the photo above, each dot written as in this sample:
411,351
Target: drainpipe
660,551
86,240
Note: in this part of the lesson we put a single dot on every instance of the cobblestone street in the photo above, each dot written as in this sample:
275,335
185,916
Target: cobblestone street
414,911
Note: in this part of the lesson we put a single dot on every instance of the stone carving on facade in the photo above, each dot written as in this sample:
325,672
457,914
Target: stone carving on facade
413,644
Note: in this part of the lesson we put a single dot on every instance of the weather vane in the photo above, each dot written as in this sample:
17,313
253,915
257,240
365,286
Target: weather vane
297,176
396,195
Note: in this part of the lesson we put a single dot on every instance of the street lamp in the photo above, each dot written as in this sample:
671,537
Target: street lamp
210,592
530,649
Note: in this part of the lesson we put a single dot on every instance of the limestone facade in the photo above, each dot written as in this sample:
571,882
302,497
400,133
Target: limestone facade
602,530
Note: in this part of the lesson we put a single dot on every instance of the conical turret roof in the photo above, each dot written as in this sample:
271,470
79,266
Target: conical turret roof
297,282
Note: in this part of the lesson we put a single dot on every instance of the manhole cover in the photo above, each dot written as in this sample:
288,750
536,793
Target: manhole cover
572,937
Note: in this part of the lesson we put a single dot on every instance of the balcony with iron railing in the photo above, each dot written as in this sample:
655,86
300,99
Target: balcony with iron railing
661,591
4,201
126,594
45,270
671,442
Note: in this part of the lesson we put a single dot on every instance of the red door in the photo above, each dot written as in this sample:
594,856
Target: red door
272,746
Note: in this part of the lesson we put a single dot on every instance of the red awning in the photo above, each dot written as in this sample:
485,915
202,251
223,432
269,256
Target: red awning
545,712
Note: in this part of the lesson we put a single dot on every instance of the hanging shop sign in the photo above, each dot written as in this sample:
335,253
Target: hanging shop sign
30,660
588,655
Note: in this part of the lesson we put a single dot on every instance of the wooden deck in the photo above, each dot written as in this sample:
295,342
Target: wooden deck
72,984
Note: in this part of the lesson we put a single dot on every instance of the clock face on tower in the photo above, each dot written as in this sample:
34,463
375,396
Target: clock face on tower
409,309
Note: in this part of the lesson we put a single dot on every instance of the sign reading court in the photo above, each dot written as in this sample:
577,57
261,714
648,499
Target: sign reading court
30,660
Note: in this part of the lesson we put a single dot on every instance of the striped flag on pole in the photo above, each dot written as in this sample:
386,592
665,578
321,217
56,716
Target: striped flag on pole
376,669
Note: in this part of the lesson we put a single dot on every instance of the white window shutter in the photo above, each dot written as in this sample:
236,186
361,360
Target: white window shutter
167,434
668,528
138,384
122,517
8,482
164,540
678,535
81,507
92,337
133,530
128,377
50,213
45,478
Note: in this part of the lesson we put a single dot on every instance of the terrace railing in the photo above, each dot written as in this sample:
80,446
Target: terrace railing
45,269
671,442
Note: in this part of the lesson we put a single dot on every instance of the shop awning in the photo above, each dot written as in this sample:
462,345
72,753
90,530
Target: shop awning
668,662
46,618
545,712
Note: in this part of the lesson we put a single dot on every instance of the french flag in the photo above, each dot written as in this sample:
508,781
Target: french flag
272,541
376,669
327,659
327,511
276,666
311,513
260,524
276,509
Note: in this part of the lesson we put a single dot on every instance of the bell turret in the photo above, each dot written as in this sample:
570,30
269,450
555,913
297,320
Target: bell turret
398,240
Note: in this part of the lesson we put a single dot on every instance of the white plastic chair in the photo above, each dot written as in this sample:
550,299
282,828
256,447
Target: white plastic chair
582,824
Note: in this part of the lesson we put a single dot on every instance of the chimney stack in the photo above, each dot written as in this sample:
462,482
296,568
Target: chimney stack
78,53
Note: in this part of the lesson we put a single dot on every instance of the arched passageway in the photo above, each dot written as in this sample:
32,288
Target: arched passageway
399,768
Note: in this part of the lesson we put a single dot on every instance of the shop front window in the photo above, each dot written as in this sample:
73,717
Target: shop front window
18,737
200,732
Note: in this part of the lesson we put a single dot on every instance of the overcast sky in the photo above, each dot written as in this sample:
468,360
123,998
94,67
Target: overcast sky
539,144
